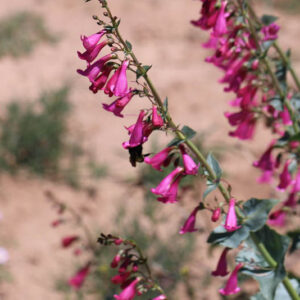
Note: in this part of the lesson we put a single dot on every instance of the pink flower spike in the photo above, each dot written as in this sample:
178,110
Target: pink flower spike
129,292
285,177
190,167
69,240
231,220
158,159
157,120
90,55
118,105
231,285
216,214
189,225
160,297
78,279
220,27
222,265
163,189
91,41
137,134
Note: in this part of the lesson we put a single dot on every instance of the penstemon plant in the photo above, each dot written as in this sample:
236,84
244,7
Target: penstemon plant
256,71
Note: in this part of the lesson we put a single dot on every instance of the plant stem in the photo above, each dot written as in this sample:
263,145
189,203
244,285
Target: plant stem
196,151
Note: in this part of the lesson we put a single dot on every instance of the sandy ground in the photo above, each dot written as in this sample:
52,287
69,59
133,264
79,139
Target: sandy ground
162,36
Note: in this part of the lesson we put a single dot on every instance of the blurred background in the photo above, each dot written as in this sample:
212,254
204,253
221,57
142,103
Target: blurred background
56,140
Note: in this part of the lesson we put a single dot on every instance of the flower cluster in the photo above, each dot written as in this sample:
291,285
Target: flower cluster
241,44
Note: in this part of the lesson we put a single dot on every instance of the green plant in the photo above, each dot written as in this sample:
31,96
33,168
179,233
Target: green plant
21,32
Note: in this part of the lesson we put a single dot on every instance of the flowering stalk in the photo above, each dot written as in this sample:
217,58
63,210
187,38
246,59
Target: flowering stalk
170,124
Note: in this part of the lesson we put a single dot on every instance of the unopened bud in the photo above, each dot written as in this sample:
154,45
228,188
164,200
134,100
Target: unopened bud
216,214
95,17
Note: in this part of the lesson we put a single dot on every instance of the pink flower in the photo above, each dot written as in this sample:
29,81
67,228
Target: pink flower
190,167
285,177
120,278
270,32
231,220
220,27
115,261
159,159
91,41
92,53
266,162
189,225
57,222
296,186
99,82
171,196
277,218
129,292
69,240
118,84
77,280
291,200
222,264
231,285
285,117
137,136
157,120
166,187
118,105
160,297
94,69
216,214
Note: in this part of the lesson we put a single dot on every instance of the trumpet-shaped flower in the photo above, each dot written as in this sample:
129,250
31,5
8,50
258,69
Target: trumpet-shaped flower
128,292
159,159
118,105
285,177
221,269
78,280
92,53
231,219
157,120
231,286
190,167
216,214
189,225
69,240
91,41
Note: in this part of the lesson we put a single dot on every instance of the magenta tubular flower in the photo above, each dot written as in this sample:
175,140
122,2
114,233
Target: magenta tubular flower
171,196
118,105
157,120
69,240
285,178
291,200
222,265
137,136
231,219
231,285
92,53
159,159
129,292
189,225
270,32
120,278
115,261
266,162
277,218
101,80
190,167
160,297
220,27
216,214
118,84
285,117
78,279
91,41
94,69
163,189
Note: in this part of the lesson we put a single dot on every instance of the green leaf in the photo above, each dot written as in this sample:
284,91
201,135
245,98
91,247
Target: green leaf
211,186
281,73
268,19
128,45
277,246
265,46
228,239
256,212
166,104
175,142
188,132
213,163
144,70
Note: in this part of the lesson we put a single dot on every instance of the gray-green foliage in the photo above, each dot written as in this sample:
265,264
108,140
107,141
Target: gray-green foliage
21,32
